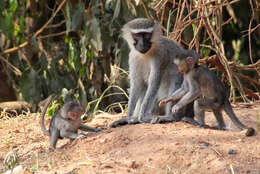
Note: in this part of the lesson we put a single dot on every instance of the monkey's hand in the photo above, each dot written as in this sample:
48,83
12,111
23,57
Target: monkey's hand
175,109
81,136
163,102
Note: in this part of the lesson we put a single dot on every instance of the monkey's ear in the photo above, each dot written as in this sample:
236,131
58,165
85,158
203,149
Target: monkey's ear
190,60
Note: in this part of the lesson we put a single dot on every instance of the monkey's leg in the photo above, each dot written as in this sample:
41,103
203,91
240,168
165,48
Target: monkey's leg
199,112
189,115
54,136
88,128
219,118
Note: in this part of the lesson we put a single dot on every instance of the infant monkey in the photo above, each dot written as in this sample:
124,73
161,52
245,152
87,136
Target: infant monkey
204,88
65,123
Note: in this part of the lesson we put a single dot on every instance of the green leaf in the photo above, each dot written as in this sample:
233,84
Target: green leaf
33,169
194,28
13,5
7,24
71,54
22,28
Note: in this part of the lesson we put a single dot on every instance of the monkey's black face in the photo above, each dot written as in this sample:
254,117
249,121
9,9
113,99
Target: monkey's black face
142,41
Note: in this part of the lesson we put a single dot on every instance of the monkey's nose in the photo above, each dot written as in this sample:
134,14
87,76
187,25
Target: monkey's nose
82,112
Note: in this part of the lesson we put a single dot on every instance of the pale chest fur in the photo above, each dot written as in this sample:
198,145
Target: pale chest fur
139,66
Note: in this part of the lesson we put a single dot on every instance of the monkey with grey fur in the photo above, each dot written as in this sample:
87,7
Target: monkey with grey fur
65,123
152,73
204,88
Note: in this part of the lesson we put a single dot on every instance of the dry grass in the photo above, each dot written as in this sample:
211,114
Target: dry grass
206,20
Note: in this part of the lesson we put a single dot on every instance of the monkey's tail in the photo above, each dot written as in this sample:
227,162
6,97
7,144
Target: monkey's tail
44,130
228,109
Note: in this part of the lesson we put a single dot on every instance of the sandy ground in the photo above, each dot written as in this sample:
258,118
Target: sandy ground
173,148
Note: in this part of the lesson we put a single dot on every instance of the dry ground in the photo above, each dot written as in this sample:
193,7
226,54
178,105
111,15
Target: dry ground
174,148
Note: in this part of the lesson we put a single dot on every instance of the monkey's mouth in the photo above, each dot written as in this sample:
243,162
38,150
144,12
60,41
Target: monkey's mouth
75,115
180,72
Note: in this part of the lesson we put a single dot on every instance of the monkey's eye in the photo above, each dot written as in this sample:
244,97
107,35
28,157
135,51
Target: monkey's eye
137,35
148,36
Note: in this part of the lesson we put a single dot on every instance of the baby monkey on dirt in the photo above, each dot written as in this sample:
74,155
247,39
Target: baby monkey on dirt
65,123
204,88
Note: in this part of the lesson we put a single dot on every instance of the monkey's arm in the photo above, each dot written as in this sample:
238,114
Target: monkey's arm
70,135
88,128
175,96
179,93
193,92
136,85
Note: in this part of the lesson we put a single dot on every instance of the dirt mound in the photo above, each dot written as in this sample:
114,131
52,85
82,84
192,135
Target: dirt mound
142,148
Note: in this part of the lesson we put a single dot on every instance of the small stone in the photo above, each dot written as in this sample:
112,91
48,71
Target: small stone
191,143
149,159
204,144
104,140
132,164
232,152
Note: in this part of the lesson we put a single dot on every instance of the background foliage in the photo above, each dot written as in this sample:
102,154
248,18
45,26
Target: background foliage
73,47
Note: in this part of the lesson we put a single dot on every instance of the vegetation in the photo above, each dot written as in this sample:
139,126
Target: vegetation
73,47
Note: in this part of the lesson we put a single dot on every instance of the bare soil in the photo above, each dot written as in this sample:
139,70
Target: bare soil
173,148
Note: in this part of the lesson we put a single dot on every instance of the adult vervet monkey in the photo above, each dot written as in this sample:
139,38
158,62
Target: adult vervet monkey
152,73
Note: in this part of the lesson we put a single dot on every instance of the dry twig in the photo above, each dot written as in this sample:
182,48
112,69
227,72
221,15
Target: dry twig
200,15
37,33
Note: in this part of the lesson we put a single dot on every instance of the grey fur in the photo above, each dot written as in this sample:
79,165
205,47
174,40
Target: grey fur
61,126
153,75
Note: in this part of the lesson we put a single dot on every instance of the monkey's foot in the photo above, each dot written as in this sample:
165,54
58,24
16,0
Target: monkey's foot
177,117
219,127
191,121
162,119
145,120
